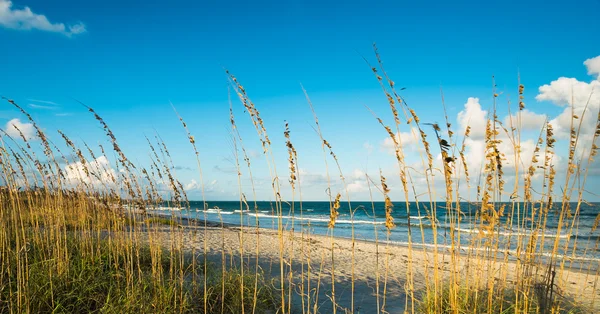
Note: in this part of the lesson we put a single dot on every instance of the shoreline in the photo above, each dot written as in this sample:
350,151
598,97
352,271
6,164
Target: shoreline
442,248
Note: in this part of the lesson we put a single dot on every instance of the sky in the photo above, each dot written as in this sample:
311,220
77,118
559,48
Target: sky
130,60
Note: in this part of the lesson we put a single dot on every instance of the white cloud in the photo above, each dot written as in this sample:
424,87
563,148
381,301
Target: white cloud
357,182
593,66
570,91
475,144
193,185
576,96
357,186
562,122
358,174
99,171
474,117
307,178
13,127
36,106
525,155
529,120
25,19
405,139
475,156
43,101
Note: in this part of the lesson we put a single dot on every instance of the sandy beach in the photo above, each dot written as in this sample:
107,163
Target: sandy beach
227,244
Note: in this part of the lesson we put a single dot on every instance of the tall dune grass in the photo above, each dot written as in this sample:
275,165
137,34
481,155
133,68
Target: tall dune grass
78,237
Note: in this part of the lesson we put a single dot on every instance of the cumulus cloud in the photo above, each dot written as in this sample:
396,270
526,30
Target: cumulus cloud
570,92
194,185
358,174
99,171
357,182
307,178
13,127
405,139
357,186
25,19
593,66
473,116
529,120
576,95
512,159
475,155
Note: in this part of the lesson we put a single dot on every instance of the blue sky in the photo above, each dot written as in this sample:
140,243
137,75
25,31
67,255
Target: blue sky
129,59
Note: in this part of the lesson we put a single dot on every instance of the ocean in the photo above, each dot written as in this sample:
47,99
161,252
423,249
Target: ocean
577,240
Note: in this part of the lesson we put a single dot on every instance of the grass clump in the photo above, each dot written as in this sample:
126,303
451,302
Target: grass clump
224,292
88,283
101,280
504,301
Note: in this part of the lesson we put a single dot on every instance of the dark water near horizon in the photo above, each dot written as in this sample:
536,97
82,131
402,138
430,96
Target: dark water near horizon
369,223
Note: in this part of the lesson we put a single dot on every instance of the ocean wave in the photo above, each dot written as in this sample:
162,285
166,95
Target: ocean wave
513,233
216,211
167,208
342,221
320,219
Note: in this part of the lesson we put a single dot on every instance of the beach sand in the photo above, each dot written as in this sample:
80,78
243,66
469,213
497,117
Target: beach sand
370,261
